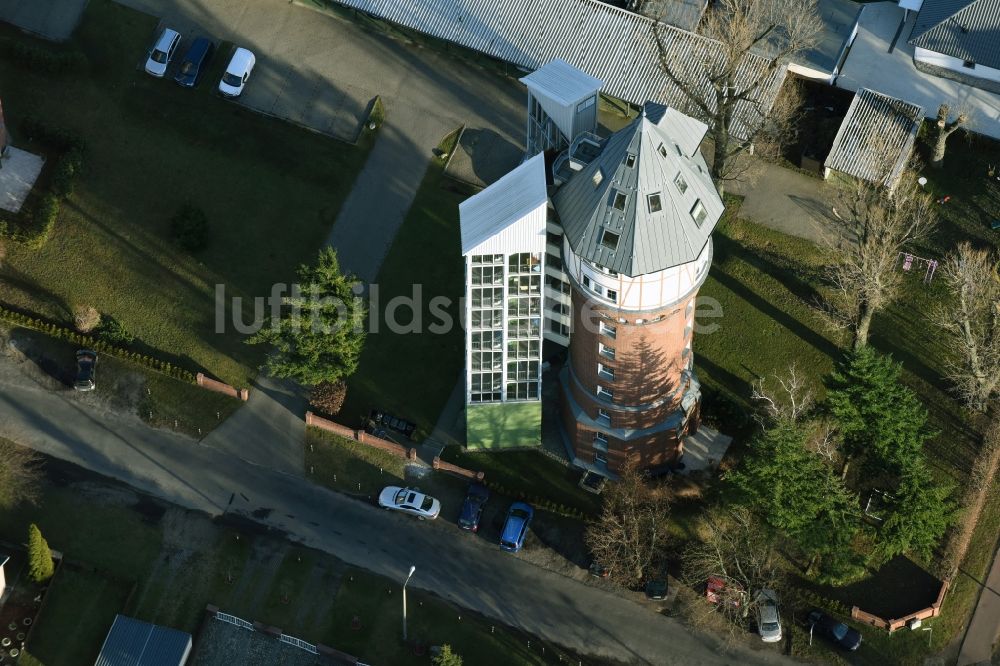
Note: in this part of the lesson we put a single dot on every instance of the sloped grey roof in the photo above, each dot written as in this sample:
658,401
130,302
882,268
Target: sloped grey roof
505,202
685,14
963,29
611,44
562,81
132,642
877,131
649,241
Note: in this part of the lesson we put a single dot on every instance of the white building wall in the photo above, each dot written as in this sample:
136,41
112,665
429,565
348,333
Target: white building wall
956,65
644,292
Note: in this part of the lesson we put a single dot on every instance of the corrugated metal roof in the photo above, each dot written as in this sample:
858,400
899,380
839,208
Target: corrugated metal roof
964,29
505,202
611,44
685,14
562,82
664,145
132,642
876,129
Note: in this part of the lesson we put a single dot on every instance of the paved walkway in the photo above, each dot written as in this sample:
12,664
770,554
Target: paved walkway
51,19
465,570
19,170
788,201
979,641
870,65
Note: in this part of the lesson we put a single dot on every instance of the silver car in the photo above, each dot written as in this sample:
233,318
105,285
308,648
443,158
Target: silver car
409,500
768,620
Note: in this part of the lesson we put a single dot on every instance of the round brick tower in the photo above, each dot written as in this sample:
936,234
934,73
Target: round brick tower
637,223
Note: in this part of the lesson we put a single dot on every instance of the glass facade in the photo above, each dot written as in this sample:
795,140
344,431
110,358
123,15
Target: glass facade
505,321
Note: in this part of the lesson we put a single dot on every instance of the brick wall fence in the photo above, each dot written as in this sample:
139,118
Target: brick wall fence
219,387
899,623
410,453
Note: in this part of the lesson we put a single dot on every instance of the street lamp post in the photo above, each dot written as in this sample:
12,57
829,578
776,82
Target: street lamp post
412,569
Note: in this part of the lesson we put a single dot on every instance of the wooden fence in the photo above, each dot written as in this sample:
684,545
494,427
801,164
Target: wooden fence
899,623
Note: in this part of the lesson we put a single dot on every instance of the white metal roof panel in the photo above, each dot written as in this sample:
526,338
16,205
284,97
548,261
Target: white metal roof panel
503,204
562,82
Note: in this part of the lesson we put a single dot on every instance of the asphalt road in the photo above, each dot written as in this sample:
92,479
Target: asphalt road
461,568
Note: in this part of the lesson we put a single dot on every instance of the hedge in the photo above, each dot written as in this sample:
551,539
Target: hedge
537,502
97,344
67,165
42,60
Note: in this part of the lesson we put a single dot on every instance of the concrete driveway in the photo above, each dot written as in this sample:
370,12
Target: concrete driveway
870,65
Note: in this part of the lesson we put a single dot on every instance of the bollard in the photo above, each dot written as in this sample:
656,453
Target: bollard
310,469
218,416
359,486
492,629
148,392
175,423
199,432
335,478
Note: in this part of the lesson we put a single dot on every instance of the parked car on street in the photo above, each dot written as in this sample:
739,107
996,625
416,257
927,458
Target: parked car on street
237,72
472,507
86,370
515,528
768,618
409,500
836,631
162,52
716,591
194,61
656,589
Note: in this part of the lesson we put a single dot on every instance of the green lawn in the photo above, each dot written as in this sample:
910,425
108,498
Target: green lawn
394,373
345,465
271,192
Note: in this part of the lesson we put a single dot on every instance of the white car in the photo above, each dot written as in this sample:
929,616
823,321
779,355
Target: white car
162,52
237,72
409,500
768,620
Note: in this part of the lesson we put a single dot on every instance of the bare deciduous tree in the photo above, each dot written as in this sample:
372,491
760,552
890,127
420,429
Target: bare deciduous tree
728,79
876,223
792,400
733,546
631,532
944,129
971,320
19,474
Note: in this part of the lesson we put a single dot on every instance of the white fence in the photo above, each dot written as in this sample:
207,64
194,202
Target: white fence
298,642
236,621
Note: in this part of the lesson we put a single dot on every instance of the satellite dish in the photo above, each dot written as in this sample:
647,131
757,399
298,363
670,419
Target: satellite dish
922,180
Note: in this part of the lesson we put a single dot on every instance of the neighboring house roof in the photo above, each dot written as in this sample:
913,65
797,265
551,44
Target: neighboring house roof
501,206
132,642
964,29
838,19
876,137
685,14
561,82
664,144
611,44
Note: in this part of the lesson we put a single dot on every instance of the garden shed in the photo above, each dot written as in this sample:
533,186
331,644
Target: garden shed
132,642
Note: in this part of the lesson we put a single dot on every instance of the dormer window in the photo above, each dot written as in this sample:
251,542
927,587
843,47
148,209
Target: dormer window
609,239
662,150
598,177
655,205
681,183
629,160
698,213
620,199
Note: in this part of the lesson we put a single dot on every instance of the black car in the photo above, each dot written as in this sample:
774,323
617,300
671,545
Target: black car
86,368
838,632
193,62
656,589
472,507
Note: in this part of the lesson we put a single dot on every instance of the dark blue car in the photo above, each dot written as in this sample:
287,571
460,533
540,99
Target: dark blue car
472,507
194,61
515,528
838,632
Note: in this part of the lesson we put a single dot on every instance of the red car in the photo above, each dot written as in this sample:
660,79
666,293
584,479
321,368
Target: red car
714,592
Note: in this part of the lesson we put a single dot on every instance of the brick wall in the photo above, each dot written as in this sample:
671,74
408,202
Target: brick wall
900,623
220,387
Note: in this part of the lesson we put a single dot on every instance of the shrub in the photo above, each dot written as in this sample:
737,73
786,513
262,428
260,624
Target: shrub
66,170
189,228
40,566
115,332
86,318
328,397
446,657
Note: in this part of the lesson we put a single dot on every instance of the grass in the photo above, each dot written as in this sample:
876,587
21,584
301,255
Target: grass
79,610
393,373
431,621
347,466
271,192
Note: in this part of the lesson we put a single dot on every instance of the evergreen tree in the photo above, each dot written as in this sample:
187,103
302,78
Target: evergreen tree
40,567
320,333
879,417
920,513
795,491
446,657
